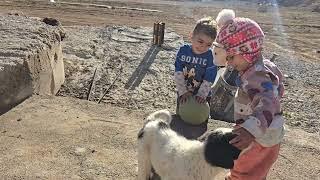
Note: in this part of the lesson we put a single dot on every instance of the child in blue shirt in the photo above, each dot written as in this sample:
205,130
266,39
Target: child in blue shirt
195,71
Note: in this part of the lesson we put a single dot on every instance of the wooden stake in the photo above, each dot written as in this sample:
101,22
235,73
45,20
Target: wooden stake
91,84
111,85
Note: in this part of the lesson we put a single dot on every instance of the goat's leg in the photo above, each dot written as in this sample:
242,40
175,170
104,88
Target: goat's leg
144,163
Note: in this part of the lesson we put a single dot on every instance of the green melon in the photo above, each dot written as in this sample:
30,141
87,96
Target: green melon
192,112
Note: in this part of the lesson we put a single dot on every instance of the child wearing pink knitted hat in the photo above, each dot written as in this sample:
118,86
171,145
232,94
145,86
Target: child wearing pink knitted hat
257,112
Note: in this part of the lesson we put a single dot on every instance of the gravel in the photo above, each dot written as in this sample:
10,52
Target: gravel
143,73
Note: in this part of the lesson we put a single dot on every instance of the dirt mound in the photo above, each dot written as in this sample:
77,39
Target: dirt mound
293,3
286,3
316,9
30,59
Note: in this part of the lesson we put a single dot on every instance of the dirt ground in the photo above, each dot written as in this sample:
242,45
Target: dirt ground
68,138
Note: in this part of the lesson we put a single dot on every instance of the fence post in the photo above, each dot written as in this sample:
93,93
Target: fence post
158,33
161,33
155,33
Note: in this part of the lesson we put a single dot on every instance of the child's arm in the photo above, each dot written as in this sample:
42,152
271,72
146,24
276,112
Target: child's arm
265,103
278,73
179,76
205,88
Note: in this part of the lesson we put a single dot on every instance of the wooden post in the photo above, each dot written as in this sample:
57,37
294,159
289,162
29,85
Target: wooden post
161,33
155,33
158,33
91,84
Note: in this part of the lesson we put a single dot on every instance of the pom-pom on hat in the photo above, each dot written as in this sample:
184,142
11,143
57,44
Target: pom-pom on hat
241,36
224,16
192,112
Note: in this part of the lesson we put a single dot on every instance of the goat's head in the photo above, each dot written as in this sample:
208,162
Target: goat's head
155,122
218,151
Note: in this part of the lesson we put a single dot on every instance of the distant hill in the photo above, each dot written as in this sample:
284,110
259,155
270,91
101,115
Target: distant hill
287,3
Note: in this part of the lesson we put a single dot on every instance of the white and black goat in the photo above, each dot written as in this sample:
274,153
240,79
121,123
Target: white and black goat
174,157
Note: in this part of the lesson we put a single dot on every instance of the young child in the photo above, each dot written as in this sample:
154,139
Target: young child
257,113
195,72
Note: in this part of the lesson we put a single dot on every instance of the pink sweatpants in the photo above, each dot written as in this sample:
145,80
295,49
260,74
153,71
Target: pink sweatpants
255,163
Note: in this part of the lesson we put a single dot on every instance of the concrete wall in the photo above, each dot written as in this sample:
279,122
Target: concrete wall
31,59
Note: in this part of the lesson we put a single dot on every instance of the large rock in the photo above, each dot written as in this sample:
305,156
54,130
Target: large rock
31,58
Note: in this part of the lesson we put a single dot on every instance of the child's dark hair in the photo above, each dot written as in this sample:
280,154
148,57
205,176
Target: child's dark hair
207,26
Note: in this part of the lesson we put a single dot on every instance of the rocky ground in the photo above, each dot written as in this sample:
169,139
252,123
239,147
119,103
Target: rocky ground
116,42
139,74
145,72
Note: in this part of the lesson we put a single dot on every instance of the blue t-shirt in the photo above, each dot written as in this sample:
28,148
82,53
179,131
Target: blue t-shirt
195,67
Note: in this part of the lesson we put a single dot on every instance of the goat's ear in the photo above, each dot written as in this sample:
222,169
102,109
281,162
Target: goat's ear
218,151
204,136
163,125
164,115
140,133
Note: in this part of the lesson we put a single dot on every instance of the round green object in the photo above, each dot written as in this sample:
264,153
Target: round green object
193,112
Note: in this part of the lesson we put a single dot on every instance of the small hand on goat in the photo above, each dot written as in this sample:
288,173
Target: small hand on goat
243,140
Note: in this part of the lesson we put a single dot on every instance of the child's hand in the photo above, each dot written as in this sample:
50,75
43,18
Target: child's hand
184,97
200,99
243,140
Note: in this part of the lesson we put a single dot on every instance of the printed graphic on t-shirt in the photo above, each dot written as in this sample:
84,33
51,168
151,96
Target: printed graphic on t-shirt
194,60
193,75
195,68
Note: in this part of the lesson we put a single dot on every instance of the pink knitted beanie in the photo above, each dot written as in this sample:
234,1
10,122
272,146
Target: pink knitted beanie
241,36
